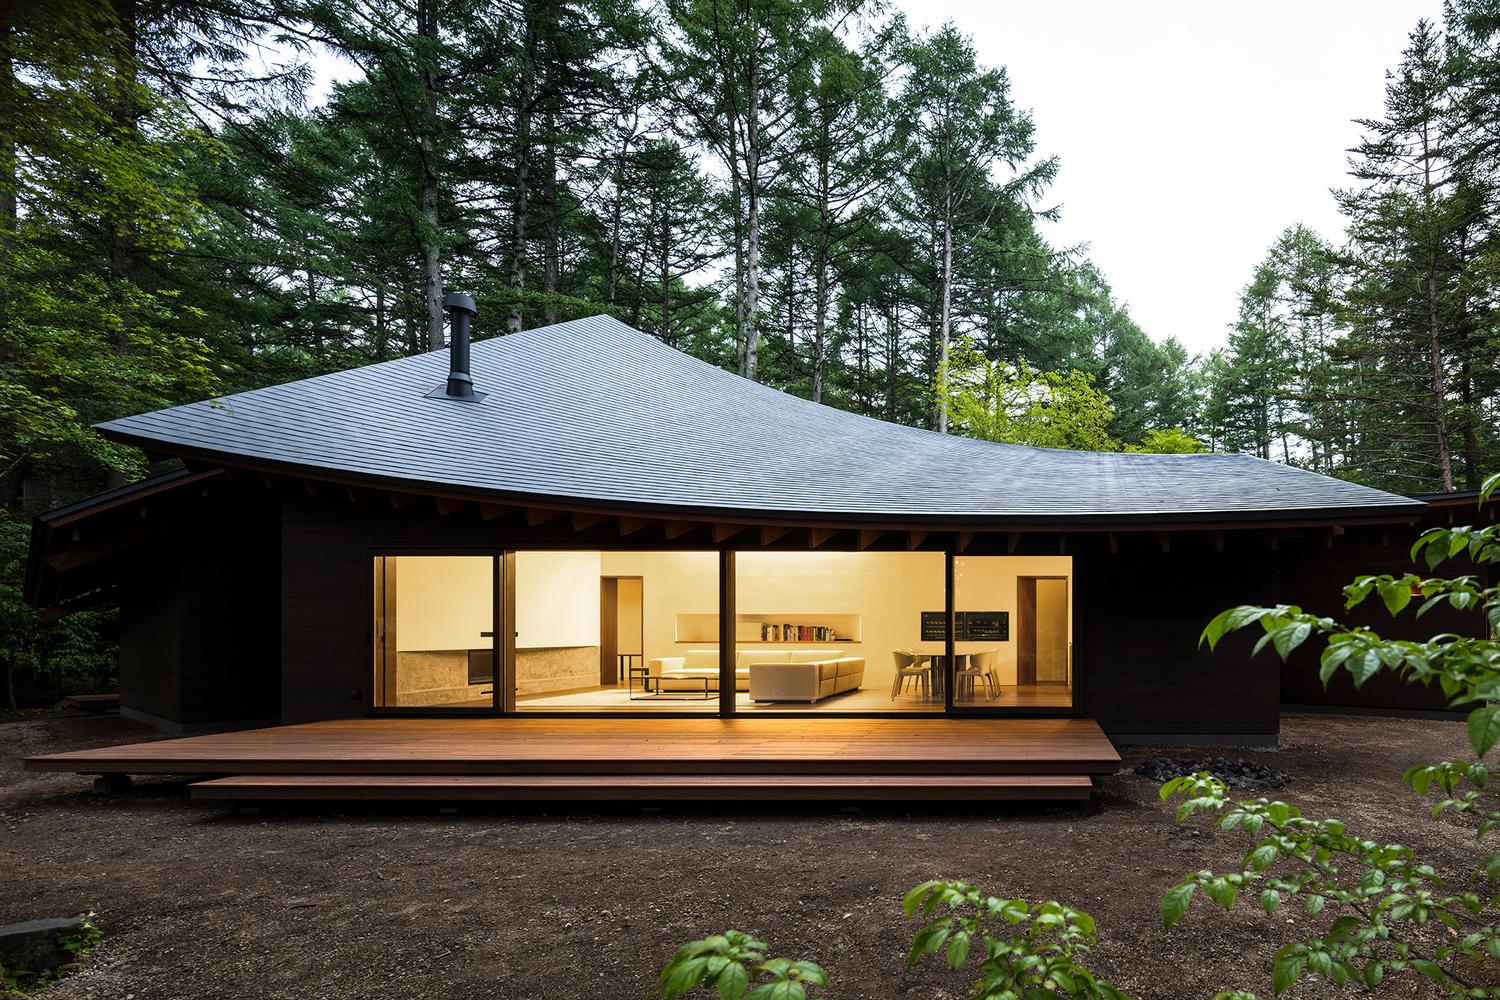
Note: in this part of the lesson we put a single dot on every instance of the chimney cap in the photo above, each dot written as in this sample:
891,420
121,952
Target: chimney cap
458,300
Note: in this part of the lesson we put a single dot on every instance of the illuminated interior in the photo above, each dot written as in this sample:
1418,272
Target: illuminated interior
607,631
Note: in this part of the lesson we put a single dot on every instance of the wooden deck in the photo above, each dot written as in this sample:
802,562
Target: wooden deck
602,759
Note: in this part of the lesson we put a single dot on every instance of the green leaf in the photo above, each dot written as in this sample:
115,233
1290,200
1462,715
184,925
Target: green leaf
1269,900
1175,903
732,982
1286,971
1396,595
1484,728
958,950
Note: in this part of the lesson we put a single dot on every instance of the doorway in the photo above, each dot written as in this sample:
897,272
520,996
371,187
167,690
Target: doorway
1043,651
622,628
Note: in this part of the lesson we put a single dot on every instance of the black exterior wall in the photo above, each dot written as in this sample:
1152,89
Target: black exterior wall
200,621
272,620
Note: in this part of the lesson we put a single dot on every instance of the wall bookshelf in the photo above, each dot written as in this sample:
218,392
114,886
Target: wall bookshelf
701,628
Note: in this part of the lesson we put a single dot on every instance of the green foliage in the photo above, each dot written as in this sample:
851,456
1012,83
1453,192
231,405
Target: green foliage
1168,441
733,966
1378,902
24,982
1025,948
1016,404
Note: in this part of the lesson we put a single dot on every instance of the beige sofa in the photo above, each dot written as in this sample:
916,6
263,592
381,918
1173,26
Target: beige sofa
806,680
805,674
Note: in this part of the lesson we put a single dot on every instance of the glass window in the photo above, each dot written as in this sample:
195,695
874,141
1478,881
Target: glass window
604,631
434,631
1013,642
838,631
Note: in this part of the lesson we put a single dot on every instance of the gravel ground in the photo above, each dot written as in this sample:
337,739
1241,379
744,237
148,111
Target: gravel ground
199,901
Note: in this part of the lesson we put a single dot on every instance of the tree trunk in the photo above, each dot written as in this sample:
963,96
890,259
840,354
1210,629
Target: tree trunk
432,234
9,202
1439,390
551,226
947,315
525,97
126,113
382,326
752,226
820,283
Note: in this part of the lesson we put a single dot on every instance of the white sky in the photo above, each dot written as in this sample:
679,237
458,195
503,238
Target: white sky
1191,134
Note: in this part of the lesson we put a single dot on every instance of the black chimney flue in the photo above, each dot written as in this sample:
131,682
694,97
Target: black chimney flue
460,384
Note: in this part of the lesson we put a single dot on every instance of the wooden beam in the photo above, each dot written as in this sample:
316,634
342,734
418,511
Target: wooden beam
1272,538
1164,540
868,537
771,532
965,539
817,536
1012,539
491,511
583,522
1217,537
1114,544
676,529
446,506
630,525
1062,543
400,500
357,494
536,516
914,539
724,532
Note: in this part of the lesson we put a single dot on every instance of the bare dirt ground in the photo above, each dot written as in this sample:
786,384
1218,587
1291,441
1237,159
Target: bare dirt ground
200,901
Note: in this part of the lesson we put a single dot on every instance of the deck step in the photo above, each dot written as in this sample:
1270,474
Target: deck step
646,787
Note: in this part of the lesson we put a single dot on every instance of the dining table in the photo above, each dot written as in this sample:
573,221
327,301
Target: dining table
937,654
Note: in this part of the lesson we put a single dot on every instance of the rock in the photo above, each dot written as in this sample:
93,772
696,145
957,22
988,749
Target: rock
1234,773
36,946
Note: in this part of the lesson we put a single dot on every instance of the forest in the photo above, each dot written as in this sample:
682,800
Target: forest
203,196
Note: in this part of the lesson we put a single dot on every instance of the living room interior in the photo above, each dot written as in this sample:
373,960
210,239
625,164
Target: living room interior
638,631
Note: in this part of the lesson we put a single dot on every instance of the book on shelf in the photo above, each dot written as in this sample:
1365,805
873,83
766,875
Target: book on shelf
789,632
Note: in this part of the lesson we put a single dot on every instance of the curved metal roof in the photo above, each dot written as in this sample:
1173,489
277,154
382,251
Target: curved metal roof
594,412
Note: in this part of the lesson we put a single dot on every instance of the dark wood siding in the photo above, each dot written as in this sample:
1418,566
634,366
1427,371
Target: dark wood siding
200,618
1317,568
151,637
1138,614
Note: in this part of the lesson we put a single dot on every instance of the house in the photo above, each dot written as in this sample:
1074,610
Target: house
585,523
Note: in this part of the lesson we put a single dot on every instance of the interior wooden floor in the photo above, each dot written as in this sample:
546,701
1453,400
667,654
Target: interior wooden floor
866,699
636,759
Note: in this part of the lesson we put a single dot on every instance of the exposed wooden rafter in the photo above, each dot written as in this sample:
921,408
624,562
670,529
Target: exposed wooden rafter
583,522
1164,540
630,525
1114,544
724,532
868,537
774,532
914,539
817,536
1012,540
446,506
676,529
538,515
493,511
965,539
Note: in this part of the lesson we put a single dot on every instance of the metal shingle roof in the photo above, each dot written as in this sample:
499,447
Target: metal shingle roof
594,411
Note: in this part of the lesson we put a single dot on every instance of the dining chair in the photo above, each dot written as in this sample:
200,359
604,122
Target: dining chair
910,665
978,668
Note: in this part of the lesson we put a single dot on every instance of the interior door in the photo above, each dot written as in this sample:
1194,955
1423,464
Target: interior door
609,631
1026,630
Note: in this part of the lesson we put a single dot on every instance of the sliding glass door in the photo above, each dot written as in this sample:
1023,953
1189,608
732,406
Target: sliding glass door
435,632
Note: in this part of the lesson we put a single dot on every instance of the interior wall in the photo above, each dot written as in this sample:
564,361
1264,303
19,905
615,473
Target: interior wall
674,582
557,599
988,583
444,602
628,616
1052,659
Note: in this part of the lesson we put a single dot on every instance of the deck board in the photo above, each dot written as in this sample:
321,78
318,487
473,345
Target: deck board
619,746
648,787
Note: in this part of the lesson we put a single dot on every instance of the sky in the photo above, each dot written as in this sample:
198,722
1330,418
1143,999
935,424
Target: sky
1190,134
